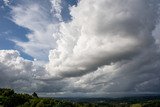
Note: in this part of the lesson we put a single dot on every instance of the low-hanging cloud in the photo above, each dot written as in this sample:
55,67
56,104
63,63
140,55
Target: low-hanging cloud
15,71
26,76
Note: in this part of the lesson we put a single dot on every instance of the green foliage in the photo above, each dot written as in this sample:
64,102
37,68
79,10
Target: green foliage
155,103
136,105
6,92
34,102
40,104
26,104
35,95
10,99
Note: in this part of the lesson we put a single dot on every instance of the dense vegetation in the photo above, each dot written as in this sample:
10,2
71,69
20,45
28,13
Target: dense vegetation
8,98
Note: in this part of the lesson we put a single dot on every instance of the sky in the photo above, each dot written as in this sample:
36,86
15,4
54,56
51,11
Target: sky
80,48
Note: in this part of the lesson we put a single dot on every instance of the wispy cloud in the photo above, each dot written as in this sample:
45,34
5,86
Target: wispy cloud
56,8
6,2
37,17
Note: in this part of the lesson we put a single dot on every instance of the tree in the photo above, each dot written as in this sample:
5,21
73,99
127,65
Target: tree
35,95
40,104
7,92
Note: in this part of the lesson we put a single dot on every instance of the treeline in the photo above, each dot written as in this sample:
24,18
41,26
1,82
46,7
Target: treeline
8,98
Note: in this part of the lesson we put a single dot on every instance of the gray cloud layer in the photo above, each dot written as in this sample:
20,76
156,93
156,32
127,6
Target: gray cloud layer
108,47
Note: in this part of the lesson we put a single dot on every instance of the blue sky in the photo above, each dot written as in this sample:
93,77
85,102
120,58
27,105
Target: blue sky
9,30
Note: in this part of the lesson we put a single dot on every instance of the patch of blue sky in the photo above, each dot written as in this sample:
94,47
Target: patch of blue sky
9,30
65,9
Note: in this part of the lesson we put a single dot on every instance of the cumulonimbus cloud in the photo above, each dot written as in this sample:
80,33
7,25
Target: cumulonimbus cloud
109,46
101,33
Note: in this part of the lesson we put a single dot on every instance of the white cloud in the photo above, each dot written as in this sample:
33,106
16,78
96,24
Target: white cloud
37,17
107,48
26,76
17,72
100,33
6,2
56,8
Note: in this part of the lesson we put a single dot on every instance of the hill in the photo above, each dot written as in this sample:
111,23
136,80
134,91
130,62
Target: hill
8,98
